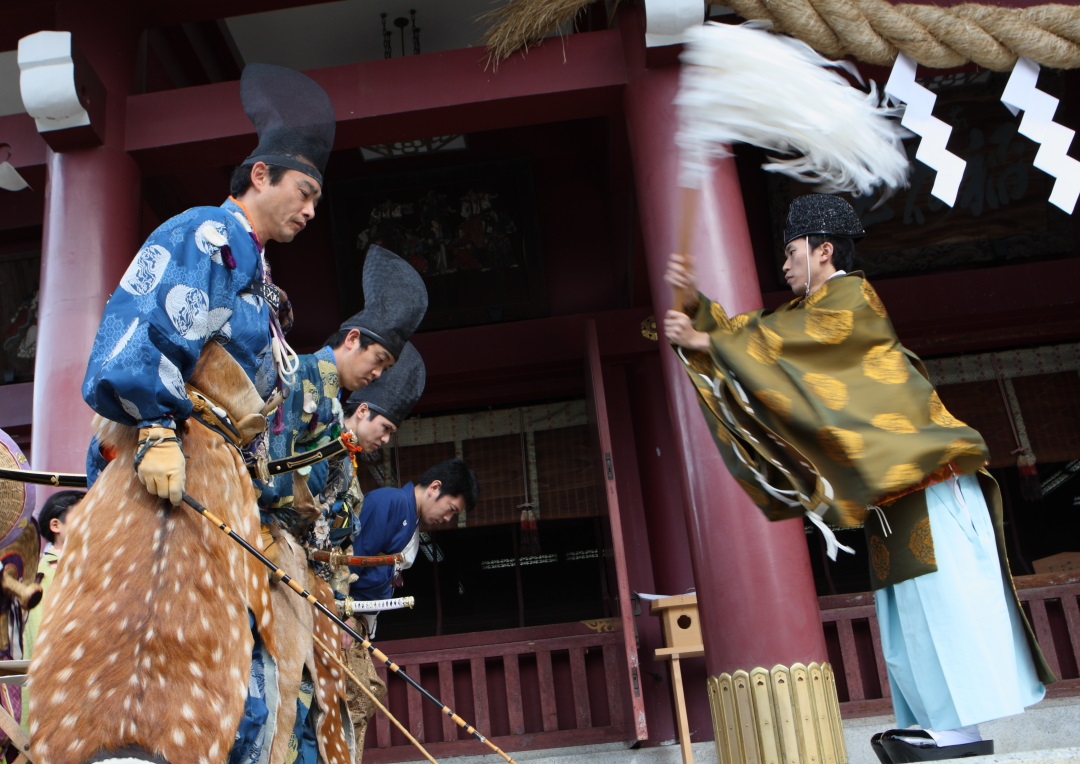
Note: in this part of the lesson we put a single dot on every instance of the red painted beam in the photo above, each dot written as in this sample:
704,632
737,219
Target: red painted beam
402,98
19,18
167,12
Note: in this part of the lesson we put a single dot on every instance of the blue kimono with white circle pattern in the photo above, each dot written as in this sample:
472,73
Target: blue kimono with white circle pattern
189,284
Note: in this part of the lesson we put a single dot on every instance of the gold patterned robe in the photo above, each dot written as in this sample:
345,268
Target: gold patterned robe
817,407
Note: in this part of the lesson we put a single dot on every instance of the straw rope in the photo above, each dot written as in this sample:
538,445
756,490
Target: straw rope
523,23
874,31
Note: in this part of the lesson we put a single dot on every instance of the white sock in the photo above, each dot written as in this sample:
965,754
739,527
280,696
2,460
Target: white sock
958,736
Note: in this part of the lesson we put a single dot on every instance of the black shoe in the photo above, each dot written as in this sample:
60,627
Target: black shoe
902,751
875,743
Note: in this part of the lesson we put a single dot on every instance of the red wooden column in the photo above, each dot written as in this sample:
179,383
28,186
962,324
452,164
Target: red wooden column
764,646
91,233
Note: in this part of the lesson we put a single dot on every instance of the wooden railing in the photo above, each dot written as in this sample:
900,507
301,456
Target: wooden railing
547,687
564,685
854,642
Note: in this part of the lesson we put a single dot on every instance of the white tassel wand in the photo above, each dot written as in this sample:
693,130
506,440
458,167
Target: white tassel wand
743,84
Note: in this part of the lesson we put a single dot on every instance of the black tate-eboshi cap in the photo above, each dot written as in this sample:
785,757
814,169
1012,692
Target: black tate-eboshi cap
395,300
818,214
293,117
397,390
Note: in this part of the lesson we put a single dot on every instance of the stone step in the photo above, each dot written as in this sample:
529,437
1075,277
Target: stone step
1048,733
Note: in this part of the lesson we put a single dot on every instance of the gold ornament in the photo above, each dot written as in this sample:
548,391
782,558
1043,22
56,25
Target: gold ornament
884,363
897,423
840,445
940,415
900,476
871,296
648,329
829,390
921,542
765,346
829,327
775,401
879,557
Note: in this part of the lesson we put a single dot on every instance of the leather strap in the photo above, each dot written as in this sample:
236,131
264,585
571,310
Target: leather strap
213,416
306,459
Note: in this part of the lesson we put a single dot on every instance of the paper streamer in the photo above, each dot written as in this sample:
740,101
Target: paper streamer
919,119
1021,94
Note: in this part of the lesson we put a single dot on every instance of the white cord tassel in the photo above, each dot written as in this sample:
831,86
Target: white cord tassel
743,84
285,358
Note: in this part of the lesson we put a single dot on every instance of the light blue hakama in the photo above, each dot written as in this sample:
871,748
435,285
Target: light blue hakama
953,640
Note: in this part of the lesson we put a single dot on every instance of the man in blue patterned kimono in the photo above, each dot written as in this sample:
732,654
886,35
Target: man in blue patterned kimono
202,277
372,415
367,345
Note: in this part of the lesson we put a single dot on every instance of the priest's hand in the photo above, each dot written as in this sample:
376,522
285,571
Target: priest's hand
160,463
680,331
680,274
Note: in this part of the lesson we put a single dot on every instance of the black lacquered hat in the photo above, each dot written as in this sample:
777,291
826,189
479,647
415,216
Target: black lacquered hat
816,214
396,391
293,117
395,300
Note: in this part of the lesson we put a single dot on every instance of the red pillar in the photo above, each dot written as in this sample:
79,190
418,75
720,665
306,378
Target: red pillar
755,588
754,581
90,234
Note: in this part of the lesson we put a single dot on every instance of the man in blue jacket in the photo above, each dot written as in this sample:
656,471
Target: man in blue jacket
390,521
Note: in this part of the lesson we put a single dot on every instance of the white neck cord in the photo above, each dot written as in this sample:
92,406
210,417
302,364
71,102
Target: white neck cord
807,266
885,527
285,358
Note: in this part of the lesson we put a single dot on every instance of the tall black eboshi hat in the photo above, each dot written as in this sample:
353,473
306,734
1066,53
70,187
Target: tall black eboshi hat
396,391
395,300
818,214
293,117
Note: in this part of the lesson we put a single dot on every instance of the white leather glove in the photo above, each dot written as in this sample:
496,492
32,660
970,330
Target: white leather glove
160,463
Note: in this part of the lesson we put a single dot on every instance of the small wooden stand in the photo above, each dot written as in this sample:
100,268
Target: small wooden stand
682,639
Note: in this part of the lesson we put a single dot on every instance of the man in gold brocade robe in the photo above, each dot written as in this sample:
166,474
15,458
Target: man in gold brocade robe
817,409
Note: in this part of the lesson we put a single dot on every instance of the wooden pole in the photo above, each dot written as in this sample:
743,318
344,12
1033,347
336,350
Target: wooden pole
371,696
688,202
283,577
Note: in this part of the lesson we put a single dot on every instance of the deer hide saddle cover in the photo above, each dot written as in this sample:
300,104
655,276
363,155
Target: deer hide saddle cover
148,641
